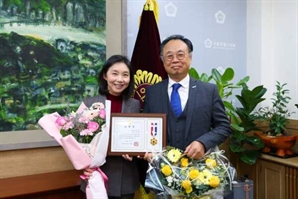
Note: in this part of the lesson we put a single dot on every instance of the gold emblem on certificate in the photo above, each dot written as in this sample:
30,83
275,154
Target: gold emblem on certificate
153,141
153,133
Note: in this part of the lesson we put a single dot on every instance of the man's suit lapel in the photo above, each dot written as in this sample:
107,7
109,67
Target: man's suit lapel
192,99
165,97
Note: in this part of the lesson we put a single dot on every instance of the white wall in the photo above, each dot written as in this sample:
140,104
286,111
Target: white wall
197,21
263,35
272,46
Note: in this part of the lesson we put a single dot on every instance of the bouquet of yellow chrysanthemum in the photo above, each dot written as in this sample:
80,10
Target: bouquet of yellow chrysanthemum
181,177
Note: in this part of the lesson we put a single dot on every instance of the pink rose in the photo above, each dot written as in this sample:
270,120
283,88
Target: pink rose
102,114
83,119
68,125
86,132
92,126
61,121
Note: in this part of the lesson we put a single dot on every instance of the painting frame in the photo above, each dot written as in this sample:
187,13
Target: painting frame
115,44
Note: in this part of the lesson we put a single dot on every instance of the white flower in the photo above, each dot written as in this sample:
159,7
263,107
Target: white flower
169,179
90,114
97,106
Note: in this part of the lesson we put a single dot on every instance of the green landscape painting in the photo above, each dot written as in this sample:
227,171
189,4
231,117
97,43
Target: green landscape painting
50,54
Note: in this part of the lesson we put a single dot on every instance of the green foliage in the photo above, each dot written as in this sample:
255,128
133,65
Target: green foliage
277,116
12,2
203,77
245,145
41,5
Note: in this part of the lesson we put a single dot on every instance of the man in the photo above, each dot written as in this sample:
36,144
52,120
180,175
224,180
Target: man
203,122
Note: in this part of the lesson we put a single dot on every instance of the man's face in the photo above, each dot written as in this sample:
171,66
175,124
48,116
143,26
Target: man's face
176,59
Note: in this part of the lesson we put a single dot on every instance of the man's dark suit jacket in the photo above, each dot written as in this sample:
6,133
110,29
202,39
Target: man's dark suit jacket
206,119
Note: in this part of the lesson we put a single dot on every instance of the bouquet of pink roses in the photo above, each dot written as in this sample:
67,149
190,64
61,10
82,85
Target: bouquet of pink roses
84,136
83,126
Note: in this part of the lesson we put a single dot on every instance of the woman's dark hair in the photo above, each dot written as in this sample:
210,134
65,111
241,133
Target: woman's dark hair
103,84
176,37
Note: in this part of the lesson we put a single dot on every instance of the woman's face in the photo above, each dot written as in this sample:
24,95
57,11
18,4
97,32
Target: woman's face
117,78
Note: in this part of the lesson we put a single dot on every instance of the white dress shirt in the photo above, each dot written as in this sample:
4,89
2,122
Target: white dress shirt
183,90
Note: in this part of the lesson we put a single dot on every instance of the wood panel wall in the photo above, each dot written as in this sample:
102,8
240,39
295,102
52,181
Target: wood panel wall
291,183
33,161
61,184
38,173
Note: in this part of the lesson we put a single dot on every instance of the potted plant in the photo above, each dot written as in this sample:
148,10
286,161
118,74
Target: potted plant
276,117
242,142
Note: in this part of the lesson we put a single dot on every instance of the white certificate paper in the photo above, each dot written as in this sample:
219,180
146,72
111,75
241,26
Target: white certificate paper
137,133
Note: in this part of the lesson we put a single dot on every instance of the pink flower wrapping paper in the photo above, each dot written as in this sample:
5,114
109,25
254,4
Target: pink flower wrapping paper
84,155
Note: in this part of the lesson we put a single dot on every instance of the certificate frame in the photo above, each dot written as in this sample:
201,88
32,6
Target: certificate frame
144,132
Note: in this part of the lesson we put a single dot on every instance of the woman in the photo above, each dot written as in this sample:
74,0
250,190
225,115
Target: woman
116,84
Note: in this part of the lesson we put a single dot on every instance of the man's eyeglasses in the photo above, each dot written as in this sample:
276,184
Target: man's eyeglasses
170,57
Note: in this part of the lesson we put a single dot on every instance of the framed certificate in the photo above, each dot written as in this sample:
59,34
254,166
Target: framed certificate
137,133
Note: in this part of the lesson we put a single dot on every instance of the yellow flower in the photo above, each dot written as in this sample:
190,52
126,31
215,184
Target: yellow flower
174,155
166,170
193,174
188,190
205,176
214,181
210,163
184,162
186,184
